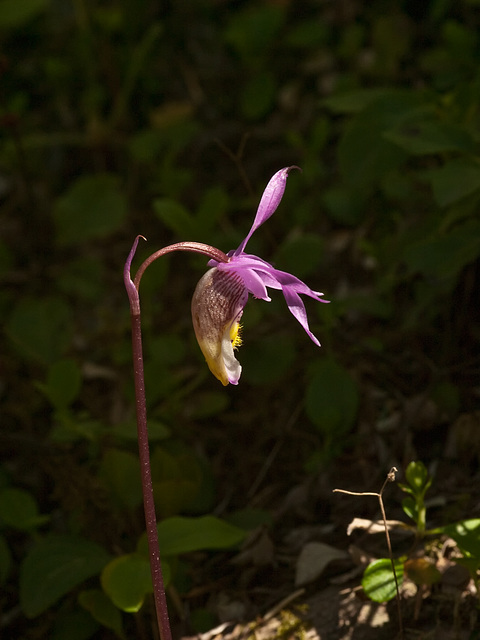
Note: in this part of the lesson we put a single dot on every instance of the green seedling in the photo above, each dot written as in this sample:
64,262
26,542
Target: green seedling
414,504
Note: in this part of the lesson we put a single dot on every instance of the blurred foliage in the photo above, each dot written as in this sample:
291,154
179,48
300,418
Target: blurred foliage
167,119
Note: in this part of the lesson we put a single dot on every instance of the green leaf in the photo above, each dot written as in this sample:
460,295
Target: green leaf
41,328
127,580
182,535
457,179
175,217
18,509
93,207
5,560
444,255
365,156
176,479
73,624
466,534
409,505
102,609
379,582
252,30
343,205
64,380
301,255
15,14
421,137
417,477
258,95
331,398
350,102
53,567
121,472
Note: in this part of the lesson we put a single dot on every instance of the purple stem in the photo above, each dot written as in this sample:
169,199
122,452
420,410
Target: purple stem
141,408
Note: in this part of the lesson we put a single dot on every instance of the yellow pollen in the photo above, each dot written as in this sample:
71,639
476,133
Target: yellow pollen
235,337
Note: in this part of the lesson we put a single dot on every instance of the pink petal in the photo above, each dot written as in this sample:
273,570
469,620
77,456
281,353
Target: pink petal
268,203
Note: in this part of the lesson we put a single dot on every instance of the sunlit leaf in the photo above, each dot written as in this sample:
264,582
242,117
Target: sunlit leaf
182,535
102,610
127,580
379,581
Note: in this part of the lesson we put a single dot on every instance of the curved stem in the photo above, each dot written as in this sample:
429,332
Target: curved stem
195,247
141,409
144,453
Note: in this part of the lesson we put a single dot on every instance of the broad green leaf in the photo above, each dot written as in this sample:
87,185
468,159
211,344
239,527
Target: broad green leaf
64,380
92,207
350,102
444,255
378,581
176,480
331,398
214,204
5,560
121,472
252,30
81,278
53,567
258,95
15,14
466,534
455,180
343,205
427,137
73,624
301,255
102,609
127,580
41,328
18,509
175,217
307,34
182,535
365,156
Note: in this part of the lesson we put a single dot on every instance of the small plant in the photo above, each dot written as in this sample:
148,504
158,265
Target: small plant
414,505
382,578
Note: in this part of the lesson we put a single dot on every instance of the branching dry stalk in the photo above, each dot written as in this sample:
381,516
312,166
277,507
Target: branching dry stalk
390,478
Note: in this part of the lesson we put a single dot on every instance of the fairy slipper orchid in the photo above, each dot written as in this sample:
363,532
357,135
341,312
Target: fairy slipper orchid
222,293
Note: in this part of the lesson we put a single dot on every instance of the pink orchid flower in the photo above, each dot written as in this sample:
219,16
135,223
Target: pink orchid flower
222,293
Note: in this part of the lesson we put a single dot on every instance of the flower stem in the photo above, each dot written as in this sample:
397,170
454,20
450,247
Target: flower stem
144,454
141,409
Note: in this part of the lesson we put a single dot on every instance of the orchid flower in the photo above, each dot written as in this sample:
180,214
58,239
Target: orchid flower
217,307
222,293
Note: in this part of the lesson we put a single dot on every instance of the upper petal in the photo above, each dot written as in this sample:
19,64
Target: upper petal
268,203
